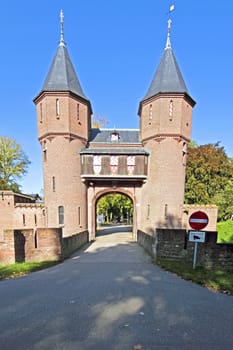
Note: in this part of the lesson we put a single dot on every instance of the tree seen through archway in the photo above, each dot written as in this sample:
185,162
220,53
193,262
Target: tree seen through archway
114,208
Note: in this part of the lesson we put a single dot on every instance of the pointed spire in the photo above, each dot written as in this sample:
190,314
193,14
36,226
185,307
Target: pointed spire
62,41
62,75
168,77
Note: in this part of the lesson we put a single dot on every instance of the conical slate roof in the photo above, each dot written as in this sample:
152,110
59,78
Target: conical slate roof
62,76
167,78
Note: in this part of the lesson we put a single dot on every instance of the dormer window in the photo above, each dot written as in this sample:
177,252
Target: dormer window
115,136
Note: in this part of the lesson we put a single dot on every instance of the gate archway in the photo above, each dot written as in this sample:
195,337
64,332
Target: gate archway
114,209
95,194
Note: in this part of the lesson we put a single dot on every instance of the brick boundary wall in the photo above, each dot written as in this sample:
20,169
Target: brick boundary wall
28,245
173,244
7,248
72,243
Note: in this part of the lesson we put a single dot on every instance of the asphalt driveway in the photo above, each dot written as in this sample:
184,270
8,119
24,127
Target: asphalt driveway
109,296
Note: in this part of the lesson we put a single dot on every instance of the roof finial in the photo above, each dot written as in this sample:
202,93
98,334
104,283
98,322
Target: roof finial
168,42
62,42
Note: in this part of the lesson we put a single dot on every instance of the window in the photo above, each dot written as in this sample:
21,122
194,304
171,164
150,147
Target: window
24,220
115,136
77,111
148,211
165,211
79,216
44,151
61,215
53,183
41,113
171,110
45,155
150,114
184,153
35,240
35,219
57,108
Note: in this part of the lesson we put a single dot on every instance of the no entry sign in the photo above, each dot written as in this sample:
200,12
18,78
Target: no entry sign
198,220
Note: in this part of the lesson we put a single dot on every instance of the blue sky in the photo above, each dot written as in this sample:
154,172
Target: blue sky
115,46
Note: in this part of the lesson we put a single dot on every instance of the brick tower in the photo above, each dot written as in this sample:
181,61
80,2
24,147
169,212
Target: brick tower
165,129
63,120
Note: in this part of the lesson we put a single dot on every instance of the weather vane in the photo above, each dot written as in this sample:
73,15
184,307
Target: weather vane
168,43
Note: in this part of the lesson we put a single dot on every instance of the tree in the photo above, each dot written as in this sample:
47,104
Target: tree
99,122
115,206
13,164
224,201
209,178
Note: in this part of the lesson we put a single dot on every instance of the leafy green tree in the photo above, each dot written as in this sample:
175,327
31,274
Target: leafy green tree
224,201
13,164
115,206
209,176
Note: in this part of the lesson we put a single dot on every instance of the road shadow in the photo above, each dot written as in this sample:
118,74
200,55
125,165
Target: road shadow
108,230
111,297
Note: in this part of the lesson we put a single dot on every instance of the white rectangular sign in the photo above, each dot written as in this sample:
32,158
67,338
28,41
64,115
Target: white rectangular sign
197,236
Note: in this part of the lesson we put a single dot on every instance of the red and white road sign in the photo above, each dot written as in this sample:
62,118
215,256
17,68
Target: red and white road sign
198,220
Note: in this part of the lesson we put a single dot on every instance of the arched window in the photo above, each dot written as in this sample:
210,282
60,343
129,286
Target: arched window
41,113
61,215
54,183
171,110
78,111
57,108
150,114
24,220
44,148
35,240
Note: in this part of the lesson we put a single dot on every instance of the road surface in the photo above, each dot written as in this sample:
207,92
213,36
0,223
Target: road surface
110,296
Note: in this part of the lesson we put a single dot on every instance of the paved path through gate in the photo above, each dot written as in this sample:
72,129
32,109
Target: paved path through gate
109,296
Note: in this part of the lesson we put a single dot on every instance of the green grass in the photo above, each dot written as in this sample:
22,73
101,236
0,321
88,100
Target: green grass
20,269
220,280
225,231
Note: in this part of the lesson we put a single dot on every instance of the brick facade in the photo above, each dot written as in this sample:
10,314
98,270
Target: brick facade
20,212
80,164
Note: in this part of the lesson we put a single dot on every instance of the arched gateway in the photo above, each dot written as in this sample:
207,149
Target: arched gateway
113,166
81,163
99,193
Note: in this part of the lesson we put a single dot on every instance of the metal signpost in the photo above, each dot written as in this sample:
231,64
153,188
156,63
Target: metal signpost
198,220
